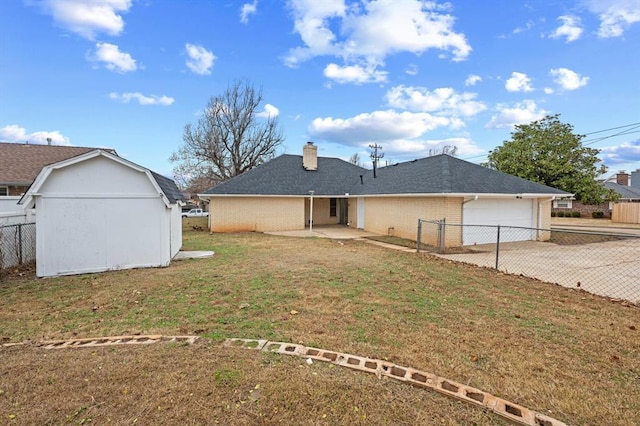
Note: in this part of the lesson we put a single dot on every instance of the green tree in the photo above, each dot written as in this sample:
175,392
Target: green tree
548,152
230,137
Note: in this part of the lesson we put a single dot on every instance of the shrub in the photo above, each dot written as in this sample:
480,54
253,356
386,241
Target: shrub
597,215
553,214
575,214
560,214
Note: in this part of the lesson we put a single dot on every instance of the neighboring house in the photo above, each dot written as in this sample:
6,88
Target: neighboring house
289,191
20,163
97,212
628,194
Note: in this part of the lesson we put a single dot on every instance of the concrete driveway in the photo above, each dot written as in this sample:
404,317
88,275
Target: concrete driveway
609,269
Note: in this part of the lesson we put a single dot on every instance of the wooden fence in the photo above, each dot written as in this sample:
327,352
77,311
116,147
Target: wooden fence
626,213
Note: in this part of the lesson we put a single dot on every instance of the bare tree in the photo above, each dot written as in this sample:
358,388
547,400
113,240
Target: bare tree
230,137
355,159
447,149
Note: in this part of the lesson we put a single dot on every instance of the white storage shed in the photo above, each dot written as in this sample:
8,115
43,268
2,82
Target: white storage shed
99,212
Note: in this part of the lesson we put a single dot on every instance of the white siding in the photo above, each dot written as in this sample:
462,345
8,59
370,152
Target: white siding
10,204
101,215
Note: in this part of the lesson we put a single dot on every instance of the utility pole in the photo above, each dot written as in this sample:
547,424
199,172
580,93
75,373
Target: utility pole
375,156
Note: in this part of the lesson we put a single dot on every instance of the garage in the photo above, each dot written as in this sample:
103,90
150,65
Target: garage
481,218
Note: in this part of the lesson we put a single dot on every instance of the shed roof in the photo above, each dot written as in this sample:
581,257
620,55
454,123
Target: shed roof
440,174
164,185
20,163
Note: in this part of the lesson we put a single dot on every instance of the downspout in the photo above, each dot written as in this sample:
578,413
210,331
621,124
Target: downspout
311,212
475,197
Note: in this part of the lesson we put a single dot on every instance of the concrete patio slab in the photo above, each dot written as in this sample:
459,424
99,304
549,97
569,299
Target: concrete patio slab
335,232
193,254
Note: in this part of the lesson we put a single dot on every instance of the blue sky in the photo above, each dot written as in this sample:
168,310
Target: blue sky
409,75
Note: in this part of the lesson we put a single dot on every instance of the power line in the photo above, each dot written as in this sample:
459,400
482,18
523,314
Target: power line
592,141
624,132
613,128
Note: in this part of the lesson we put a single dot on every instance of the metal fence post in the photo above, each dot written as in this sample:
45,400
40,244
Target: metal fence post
498,247
419,235
20,244
439,237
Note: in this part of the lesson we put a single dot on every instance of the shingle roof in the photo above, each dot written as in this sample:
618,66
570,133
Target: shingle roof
444,174
626,192
169,187
20,163
440,174
284,175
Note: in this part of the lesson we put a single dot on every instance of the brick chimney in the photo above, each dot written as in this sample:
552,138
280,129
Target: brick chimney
622,178
310,156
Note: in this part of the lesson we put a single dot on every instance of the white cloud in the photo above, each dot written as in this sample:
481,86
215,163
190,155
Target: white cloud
567,79
443,100
412,69
113,59
472,80
529,25
200,59
571,28
368,31
549,90
518,82
417,148
269,111
355,74
15,133
616,16
127,97
378,126
627,152
88,18
520,113
246,10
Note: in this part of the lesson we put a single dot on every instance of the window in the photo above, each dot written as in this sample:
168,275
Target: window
561,204
4,190
332,207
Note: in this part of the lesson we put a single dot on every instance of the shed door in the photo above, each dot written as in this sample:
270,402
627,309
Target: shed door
504,212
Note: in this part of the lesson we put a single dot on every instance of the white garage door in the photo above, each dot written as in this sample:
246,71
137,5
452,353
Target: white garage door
504,212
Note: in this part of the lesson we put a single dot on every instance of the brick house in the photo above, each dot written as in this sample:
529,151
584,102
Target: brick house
628,189
291,191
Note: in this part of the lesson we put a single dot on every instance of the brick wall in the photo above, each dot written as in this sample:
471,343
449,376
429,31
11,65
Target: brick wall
586,209
260,214
321,211
398,216
16,190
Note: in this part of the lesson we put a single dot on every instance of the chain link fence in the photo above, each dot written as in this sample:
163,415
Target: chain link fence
607,264
17,245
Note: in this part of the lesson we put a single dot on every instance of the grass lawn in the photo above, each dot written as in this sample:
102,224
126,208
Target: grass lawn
567,354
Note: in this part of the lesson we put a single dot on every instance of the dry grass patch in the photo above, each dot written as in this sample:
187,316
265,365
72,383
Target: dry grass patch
178,384
538,345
